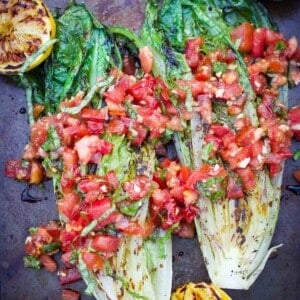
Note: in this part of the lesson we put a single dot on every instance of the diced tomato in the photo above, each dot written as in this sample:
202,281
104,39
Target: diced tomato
15,169
237,157
188,213
68,204
93,182
70,295
66,259
258,83
244,34
96,115
146,59
95,127
171,215
177,193
258,42
248,178
105,243
294,121
54,229
98,207
93,261
160,196
87,146
248,135
137,133
48,263
70,159
232,91
116,126
274,169
190,196
42,234
197,87
220,130
137,188
277,66
204,172
234,189
192,49
36,172
67,276
111,219
117,92
203,72
272,36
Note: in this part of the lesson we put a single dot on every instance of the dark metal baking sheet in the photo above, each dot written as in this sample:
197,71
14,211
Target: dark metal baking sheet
281,276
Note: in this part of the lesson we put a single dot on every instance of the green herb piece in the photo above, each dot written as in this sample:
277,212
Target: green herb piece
219,67
50,248
296,155
31,262
53,141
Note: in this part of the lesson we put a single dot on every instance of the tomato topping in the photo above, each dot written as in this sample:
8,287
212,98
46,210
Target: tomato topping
68,204
258,83
192,51
258,42
244,35
98,207
96,115
105,243
137,188
248,178
93,261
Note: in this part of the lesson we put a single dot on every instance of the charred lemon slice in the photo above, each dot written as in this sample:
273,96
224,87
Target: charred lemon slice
199,291
25,26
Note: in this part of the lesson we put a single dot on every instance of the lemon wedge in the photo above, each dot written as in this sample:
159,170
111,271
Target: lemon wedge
25,26
199,291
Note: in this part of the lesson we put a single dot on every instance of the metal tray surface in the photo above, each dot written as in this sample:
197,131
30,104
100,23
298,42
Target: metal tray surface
281,276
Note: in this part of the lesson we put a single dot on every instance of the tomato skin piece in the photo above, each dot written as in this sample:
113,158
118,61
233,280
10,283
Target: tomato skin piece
98,207
192,51
244,33
137,188
93,261
258,42
105,243
92,114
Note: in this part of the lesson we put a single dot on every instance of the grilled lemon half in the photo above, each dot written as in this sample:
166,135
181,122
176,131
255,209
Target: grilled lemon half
199,291
25,25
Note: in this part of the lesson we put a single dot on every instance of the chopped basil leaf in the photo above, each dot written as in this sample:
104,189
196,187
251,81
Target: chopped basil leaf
49,248
280,46
32,230
131,209
219,67
296,155
31,262
53,141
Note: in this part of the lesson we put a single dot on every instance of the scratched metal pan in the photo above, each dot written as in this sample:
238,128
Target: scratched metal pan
281,276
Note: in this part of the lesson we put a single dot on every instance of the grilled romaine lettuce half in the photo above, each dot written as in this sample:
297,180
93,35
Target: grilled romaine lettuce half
86,51
234,235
